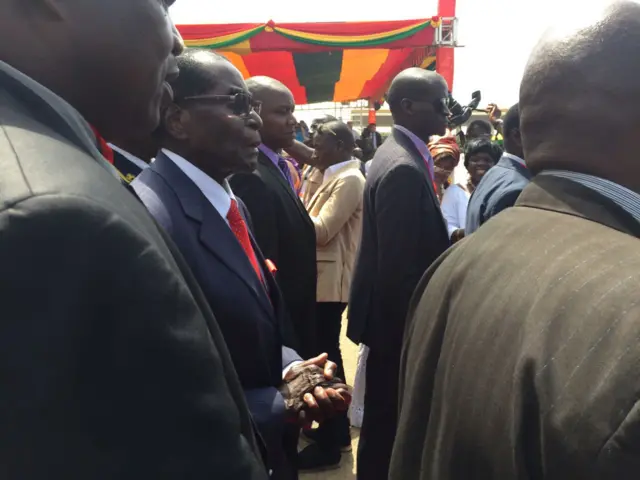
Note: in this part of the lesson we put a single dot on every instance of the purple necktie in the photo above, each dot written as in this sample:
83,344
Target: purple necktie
284,168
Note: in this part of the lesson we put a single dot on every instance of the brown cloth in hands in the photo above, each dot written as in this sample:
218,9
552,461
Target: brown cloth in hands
303,380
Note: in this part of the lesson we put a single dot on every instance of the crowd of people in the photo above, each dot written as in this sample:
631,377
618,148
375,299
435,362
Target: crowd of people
178,252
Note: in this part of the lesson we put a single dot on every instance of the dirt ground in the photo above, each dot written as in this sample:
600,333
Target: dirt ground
347,470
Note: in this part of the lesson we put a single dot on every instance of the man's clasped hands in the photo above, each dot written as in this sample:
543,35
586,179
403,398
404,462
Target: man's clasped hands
313,393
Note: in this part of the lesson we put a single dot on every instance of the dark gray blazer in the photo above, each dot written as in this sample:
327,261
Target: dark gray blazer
113,366
498,190
287,237
521,354
403,232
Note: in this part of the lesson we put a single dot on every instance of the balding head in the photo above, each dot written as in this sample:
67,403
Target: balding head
417,99
279,124
580,94
333,144
265,86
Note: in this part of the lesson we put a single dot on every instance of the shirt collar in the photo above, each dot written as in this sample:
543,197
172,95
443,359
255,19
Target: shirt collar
420,145
218,195
515,158
141,164
271,155
626,199
333,169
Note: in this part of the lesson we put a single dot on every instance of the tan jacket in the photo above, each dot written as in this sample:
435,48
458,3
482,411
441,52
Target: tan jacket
336,211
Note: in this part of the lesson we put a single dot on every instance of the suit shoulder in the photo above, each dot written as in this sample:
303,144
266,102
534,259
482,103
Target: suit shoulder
158,197
37,161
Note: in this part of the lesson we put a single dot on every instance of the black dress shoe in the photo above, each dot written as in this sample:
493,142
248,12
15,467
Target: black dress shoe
313,458
313,436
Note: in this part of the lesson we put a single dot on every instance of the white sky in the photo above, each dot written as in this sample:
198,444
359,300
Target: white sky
497,34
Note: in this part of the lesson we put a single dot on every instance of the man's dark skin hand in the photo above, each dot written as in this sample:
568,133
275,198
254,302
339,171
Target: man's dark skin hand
312,393
494,117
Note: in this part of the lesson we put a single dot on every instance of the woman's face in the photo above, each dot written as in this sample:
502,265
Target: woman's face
479,164
443,168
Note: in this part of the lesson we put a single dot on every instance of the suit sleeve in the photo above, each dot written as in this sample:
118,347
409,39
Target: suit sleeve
111,361
504,201
345,199
258,200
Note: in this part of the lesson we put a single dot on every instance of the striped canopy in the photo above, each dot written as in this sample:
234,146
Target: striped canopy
321,62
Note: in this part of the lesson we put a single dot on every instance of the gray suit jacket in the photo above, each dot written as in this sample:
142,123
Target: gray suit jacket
521,355
403,231
113,366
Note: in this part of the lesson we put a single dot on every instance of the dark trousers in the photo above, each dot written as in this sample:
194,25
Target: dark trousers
380,415
333,433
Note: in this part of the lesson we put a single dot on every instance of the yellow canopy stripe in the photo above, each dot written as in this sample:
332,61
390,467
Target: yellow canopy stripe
356,40
225,40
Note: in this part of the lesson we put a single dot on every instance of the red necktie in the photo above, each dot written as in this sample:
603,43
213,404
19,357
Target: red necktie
103,146
239,229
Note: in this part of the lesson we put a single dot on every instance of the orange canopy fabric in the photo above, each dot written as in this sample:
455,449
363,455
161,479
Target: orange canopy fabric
322,61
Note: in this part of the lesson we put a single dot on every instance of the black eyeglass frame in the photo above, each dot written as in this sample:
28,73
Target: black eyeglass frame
243,103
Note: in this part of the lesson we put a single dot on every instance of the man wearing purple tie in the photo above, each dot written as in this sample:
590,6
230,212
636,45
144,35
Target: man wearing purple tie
281,225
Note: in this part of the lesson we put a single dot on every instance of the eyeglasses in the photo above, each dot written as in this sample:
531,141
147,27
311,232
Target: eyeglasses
440,106
241,103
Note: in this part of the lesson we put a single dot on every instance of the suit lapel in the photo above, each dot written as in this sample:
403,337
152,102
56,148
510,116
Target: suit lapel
277,174
404,141
213,232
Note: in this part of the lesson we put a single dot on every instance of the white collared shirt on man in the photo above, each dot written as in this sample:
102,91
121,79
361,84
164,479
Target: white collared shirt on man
219,196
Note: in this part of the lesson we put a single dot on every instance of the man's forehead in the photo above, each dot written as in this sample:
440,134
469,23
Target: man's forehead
278,96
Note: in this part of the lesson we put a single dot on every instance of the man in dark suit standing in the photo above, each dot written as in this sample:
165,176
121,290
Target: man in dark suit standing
281,224
522,346
504,182
113,366
208,133
403,232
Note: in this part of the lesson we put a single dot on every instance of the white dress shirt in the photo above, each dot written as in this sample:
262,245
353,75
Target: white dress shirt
219,196
331,171
141,164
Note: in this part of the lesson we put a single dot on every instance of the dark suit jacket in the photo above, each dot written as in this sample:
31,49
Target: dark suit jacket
113,366
498,189
287,237
521,357
252,320
403,232
128,170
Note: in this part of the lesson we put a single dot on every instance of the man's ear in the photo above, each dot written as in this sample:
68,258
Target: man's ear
407,106
517,137
176,122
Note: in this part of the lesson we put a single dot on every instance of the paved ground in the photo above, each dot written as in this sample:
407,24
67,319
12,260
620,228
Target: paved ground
347,469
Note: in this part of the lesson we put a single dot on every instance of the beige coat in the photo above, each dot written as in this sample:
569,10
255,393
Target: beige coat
336,211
